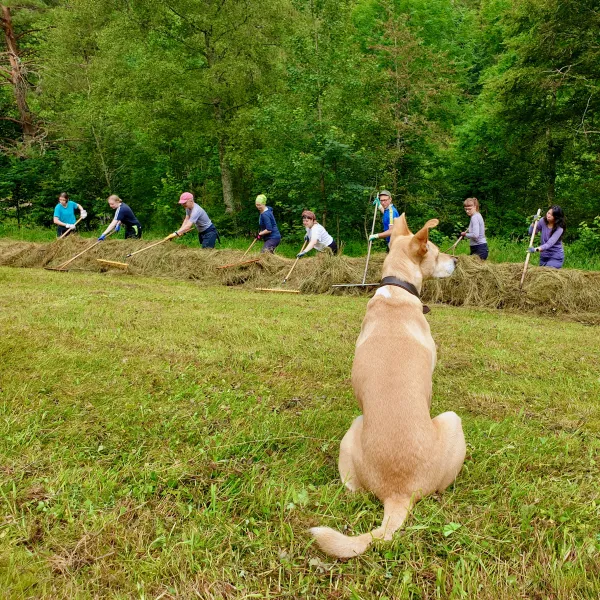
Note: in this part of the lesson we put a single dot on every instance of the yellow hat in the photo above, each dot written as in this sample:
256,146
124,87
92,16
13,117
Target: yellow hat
261,199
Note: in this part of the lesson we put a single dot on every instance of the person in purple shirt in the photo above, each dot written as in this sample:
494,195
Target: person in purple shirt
552,228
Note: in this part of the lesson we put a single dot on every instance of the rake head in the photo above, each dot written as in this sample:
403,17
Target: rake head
112,263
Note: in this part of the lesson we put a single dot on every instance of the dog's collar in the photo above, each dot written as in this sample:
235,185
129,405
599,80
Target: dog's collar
409,287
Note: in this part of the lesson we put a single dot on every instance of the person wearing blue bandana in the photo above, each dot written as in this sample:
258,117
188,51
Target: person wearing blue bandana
389,211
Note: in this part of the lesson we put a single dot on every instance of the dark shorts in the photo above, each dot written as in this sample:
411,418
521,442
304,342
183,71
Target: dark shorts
208,237
555,263
133,231
270,244
60,230
481,250
333,247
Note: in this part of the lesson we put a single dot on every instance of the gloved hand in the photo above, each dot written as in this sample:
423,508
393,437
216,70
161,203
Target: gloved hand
258,236
531,249
306,238
102,238
83,214
300,254
70,225
117,227
376,202
373,237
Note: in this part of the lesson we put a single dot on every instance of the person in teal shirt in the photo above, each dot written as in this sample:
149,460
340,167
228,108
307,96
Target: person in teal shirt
64,214
384,203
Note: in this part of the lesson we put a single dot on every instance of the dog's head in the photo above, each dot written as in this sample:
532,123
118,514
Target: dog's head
415,258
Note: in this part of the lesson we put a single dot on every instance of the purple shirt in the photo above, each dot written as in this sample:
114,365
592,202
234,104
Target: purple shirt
551,246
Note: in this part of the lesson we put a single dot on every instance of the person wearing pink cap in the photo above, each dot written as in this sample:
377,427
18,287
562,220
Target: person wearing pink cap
195,216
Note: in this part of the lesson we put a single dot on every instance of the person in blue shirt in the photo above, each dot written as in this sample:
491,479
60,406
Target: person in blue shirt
123,216
384,203
268,230
64,214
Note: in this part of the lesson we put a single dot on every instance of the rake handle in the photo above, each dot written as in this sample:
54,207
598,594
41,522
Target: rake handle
68,231
294,265
83,252
535,220
370,245
250,247
169,237
78,255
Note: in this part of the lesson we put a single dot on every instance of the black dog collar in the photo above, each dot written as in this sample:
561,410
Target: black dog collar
409,287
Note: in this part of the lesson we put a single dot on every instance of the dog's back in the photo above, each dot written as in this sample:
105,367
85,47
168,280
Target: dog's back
395,449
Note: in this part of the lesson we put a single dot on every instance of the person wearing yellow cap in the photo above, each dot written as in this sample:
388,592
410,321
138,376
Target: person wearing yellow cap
268,230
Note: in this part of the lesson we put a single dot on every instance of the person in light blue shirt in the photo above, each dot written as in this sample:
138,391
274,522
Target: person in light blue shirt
64,214
390,212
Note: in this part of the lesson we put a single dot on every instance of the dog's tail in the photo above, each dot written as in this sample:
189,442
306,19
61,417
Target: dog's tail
337,544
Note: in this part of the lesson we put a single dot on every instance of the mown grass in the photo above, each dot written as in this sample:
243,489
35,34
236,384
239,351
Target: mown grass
577,256
159,439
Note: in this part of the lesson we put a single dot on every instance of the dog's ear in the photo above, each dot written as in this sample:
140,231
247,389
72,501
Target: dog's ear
400,226
420,239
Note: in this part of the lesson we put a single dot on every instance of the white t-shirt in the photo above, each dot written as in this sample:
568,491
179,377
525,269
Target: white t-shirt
319,233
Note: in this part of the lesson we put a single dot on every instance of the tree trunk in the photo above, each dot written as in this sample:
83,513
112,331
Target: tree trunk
226,179
17,75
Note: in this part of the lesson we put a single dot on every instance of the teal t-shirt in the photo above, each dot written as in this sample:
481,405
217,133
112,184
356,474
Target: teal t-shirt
66,214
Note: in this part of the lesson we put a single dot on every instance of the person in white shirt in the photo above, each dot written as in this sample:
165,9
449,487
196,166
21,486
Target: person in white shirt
316,235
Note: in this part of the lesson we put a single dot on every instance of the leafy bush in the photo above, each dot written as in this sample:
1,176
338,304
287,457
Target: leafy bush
589,235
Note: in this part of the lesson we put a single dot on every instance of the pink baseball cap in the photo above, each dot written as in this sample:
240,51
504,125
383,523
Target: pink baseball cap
185,197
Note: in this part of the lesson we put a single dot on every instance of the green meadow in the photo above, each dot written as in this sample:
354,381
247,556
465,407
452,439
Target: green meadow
160,439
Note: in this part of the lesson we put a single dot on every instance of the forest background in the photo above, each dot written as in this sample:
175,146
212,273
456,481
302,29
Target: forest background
316,103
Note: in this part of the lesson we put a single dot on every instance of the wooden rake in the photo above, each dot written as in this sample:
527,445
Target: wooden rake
65,264
243,262
364,279
68,231
280,290
534,224
123,265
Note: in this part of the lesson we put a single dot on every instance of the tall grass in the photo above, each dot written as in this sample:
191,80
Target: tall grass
159,439
577,256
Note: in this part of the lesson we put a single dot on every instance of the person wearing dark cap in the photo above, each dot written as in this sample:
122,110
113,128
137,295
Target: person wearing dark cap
195,216
385,205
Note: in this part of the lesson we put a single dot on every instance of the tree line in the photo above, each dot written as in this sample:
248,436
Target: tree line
316,103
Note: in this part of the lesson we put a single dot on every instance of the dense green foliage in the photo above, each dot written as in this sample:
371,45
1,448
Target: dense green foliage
314,102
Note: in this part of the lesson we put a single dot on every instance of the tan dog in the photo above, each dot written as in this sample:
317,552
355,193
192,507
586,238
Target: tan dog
395,449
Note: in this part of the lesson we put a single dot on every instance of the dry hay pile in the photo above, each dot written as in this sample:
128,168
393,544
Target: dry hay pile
475,283
545,290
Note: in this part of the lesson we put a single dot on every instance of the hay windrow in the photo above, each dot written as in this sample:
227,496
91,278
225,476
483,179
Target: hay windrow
475,283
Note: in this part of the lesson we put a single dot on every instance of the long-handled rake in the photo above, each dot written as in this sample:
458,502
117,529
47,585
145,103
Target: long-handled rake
534,224
122,265
453,247
62,267
363,284
280,290
68,231
243,262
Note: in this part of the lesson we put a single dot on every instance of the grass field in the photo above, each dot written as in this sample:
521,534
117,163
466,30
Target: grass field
501,250
159,439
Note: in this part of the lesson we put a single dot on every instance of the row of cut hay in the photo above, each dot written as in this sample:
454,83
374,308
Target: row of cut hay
545,290
475,283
